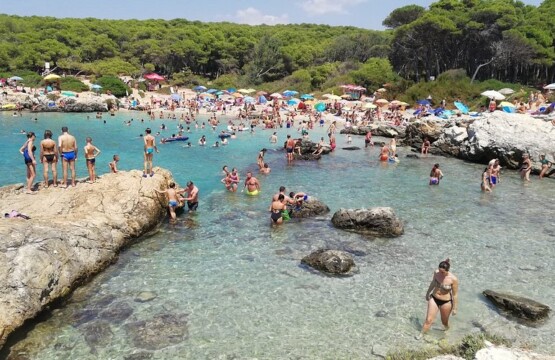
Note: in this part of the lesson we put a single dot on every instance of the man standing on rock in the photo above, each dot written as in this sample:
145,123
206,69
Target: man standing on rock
150,146
289,147
67,146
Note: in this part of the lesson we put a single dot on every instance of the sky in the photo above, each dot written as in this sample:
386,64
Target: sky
367,14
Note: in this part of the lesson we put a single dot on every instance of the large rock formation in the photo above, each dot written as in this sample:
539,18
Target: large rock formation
518,306
492,352
497,135
378,221
56,102
330,261
310,208
72,235
377,129
307,149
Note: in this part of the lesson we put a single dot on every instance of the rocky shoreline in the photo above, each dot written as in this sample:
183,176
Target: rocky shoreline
72,234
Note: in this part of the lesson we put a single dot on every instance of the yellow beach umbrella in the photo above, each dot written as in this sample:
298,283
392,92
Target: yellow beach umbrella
331,97
51,77
370,106
237,95
381,102
506,104
244,91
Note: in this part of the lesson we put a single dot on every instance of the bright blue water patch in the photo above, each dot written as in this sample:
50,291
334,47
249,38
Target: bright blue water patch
240,282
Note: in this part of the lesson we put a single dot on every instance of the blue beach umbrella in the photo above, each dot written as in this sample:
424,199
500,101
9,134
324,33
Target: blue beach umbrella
212,91
15,78
231,90
249,99
219,92
288,93
96,87
307,97
262,99
176,97
423,102
199,88
320,107
293,102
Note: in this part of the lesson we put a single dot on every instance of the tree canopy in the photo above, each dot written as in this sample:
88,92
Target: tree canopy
490,39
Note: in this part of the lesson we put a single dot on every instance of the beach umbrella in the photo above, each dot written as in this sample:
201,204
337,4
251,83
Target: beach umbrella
96,87
154,77
207,95
237,95
219,92
176,97
199,88
243,91
320,107
293,102
550,87
310,102
276,95
492,94
263,93
370,106
250,90
15,78
212,91
262,99
395,102
52,77
506,104
288,93
231,90
249,99
506,91
307,96
381,102
331,97
423,102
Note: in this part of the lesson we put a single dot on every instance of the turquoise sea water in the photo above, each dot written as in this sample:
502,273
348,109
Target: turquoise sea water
239,282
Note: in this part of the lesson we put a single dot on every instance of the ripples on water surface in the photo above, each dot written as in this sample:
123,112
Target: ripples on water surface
239,283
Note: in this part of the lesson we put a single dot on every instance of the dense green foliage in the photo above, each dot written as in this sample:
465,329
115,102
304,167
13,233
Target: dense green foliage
500,39
513,42
71,83
113,84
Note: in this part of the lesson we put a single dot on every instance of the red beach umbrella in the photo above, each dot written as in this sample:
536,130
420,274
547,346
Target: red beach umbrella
154,77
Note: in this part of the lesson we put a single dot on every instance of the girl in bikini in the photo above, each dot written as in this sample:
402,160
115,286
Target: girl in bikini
441,297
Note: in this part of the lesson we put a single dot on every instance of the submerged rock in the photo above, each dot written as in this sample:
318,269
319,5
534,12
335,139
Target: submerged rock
330,261
72,235
310,208
158,332
117,313
518,306
378,221
351,148
98,333
145,296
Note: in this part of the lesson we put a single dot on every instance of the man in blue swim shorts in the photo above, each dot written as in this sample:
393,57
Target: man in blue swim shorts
173,198
67,146
150,147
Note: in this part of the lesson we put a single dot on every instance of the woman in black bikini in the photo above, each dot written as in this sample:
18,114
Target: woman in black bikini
276,209
441,297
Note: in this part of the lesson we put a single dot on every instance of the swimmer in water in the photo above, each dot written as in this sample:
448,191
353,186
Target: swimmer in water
486,178
435,175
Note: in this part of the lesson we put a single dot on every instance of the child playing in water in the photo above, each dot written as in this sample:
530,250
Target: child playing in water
173,198
114,164
91,152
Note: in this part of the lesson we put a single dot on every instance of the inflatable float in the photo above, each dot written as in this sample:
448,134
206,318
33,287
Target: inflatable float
172,139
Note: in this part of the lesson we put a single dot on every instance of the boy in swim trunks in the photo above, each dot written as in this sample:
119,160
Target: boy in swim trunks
150,147
173,198
91,152
67,147
114,164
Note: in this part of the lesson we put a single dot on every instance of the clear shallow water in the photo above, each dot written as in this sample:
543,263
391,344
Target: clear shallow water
239,280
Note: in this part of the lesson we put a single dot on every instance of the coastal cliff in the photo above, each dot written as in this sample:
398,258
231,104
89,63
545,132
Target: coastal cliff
496,135
71,235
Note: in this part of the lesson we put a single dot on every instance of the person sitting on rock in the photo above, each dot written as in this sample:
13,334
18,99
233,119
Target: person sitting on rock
298,198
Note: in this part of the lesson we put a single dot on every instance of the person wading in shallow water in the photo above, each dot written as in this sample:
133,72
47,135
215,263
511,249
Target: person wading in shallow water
442,297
